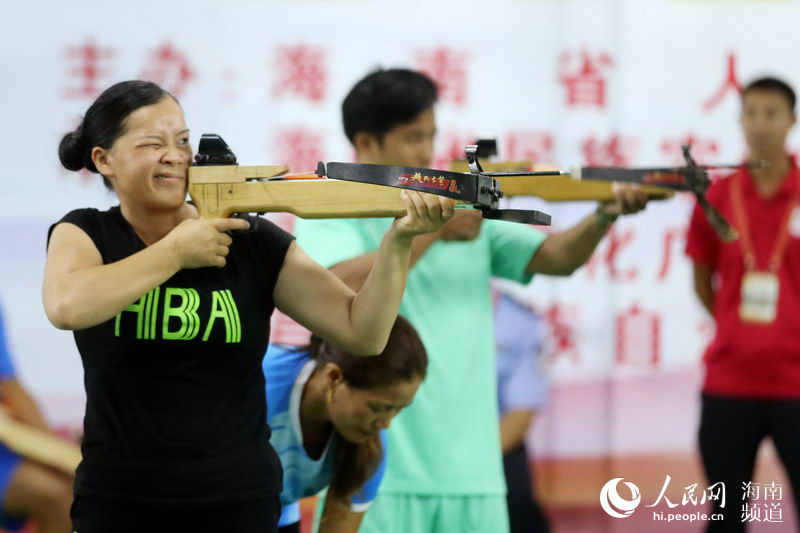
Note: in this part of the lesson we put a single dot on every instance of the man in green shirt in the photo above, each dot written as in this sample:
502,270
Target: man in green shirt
445,471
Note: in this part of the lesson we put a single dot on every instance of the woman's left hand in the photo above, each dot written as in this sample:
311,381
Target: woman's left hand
425,213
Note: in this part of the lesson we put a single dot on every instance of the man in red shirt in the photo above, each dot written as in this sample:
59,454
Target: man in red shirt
752,288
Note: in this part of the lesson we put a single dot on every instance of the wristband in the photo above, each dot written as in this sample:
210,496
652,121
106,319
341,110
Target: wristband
604,218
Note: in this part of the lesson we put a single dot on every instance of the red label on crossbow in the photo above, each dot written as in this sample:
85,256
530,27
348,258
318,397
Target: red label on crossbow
439,183
664,178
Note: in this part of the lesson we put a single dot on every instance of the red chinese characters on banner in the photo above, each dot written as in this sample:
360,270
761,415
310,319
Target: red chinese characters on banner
638,337
616,242
616,151
168,67
731,83
674,240
301,73
89,68
300,148
560,319
530,145
704,150
583,76
448,68
449,147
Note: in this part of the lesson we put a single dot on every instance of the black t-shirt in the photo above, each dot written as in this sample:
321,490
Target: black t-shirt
176,408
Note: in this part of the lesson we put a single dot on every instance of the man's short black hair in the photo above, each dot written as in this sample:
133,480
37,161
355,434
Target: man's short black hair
385,99
775,85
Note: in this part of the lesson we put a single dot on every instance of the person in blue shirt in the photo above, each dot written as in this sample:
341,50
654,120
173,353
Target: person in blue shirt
328,411
28,490
522,388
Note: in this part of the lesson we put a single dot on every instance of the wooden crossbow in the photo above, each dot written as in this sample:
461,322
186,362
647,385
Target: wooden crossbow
37,445
521,178
219,187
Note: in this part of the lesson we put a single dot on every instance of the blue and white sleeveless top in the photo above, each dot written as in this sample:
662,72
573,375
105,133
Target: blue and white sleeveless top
287,370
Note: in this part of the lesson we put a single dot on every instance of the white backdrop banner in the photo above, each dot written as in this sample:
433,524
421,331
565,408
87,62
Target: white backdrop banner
613,82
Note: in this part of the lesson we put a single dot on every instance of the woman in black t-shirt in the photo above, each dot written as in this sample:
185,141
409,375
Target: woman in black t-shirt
171,318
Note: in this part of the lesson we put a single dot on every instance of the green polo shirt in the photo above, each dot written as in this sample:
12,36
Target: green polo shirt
448,440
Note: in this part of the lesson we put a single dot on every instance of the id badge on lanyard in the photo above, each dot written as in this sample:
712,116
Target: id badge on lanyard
760,288
759,297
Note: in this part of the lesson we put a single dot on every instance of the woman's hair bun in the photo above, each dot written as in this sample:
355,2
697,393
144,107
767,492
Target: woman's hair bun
72,152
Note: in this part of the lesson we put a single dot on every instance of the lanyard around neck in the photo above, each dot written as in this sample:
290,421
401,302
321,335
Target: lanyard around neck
748,248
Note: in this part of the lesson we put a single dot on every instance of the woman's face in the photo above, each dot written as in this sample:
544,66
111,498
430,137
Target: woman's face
359,414
148,164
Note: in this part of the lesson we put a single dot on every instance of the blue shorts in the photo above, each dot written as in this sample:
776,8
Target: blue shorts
9,461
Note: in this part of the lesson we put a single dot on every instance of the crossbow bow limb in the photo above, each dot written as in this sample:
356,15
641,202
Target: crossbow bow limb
521,178
219,187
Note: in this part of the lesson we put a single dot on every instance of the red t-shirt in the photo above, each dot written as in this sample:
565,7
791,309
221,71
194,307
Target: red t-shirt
746,359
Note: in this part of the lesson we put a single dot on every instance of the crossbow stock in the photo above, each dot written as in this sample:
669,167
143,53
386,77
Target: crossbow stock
219,187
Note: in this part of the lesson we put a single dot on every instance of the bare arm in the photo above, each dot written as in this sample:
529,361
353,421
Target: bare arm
80,291
348,522
358,322
513,427
703,286
354,271
464,226
321,302
563,253
21,405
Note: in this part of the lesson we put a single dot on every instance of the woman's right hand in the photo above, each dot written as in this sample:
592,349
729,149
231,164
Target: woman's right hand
203,242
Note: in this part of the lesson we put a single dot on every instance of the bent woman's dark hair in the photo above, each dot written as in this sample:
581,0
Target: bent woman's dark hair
104,122
403,359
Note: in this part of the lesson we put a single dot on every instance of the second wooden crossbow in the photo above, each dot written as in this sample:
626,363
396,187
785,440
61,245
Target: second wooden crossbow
219,188
520,178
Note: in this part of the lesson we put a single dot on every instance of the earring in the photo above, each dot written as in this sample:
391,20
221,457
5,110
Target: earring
330,395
